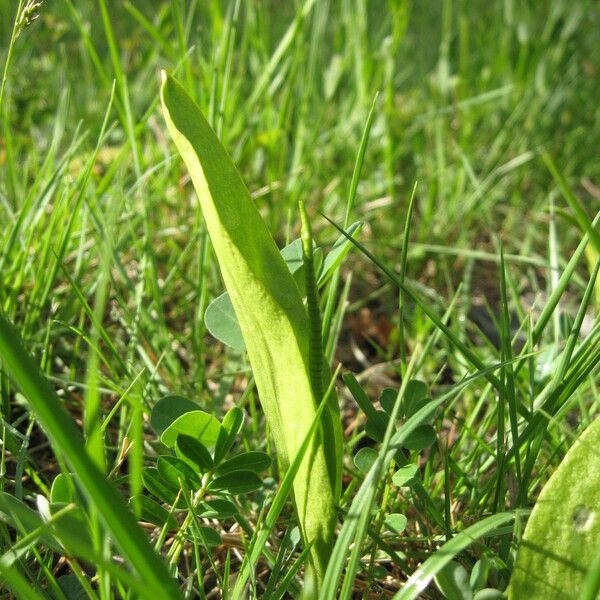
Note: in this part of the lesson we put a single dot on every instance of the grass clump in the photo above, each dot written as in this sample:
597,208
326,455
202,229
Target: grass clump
362,397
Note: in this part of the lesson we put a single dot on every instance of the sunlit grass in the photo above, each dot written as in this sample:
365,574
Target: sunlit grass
462,136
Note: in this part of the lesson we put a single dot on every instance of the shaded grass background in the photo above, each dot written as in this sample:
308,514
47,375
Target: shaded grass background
470,93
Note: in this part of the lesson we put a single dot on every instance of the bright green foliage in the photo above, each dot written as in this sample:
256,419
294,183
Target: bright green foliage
197,477
220,318
107,271
562,534
44,402
272,318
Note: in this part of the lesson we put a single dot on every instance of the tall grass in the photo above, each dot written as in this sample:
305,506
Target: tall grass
462,134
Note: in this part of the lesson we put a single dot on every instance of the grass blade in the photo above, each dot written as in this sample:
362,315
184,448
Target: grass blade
68,440
422,577
271,315
465,351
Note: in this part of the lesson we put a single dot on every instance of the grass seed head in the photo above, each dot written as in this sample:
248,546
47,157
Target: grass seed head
30,12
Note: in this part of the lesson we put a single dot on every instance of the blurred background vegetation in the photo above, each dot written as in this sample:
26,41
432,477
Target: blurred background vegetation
470,92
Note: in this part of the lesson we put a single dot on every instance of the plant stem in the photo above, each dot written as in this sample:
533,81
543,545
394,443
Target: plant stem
13,39
177,547
312,301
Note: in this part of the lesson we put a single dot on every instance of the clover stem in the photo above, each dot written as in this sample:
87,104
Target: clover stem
177,547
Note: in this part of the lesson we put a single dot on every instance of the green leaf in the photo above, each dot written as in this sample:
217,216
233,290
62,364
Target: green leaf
584,221
62,489
294,259
176,472
422,437
480,574
167,410
292,255
220,318
395,522
591,585
72,528
405,476
453,582
207,536
561,537
272,318
49,410
237,482
376,425
360,396
157,485
197,424
222,323
194,453
261,536
69,531
251,461
415,390
364,459
338,252
387,399
415,397
154,513
71,587
414,407
217,508
489,594
230,427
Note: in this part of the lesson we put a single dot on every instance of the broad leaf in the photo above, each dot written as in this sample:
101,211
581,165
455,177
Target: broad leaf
480,574
62,489
422,437
230,427
207,536
217,508
18,515
272,318
405,476
376,425
194,453
197,424
252,461
294,259
395,522
160,487
415,397
237,482
169,409
220,318
562,533
177,473
453,582
365,458
388,399
222,323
